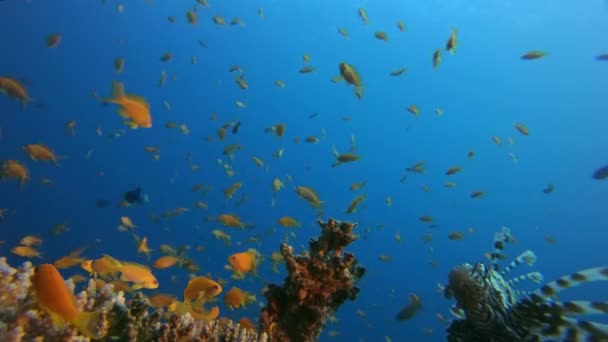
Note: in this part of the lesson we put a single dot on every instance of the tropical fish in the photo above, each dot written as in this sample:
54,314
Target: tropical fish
346,157
53,295
39,152
119,64
289,222
237,298
16,170
451,44
521,128
343,32
602,57
53,40
534,54
139,275
398,72
411,309
381,35
134,109
309,195
363,15
352,207
244,262
601,173
489,305
14,89
401,26
436,58
453,170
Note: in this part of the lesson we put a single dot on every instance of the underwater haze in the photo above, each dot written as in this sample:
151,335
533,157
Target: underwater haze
505,128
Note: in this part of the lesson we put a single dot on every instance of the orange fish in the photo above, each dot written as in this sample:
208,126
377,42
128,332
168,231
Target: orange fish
39,152
14,169
236,298
165,261
138,274
103,266
68,261
201,289
134,109
289,222
26,252
14,89
54,297
161,300
230,220
244,262
246,323
31,240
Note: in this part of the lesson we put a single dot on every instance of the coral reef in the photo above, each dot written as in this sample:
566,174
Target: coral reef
316,285
122,319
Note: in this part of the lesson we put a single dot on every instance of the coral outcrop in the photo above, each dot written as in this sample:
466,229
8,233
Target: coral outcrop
122,319
317,284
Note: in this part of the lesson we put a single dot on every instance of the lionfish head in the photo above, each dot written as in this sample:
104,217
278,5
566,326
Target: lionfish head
466,285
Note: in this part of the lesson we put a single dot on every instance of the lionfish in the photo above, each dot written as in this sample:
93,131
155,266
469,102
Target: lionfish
489,307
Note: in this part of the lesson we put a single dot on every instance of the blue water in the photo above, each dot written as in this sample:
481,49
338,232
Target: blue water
483,89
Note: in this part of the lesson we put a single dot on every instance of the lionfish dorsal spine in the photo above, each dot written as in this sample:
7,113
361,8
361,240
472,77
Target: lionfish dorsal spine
500,239
536,277
528,257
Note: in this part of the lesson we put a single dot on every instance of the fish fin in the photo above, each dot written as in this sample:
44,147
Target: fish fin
122,112
58,158
118,92
131,124
87,323
138,99
136,287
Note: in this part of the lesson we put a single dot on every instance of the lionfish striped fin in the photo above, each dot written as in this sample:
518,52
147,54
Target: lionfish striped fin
551,289
536,277
500,239
580,307
573,330
528,257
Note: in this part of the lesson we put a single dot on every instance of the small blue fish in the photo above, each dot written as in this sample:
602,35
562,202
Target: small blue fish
601,173
602,57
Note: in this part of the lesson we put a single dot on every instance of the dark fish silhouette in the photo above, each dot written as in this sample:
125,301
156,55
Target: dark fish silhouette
133,196
235,128
601,173
410,310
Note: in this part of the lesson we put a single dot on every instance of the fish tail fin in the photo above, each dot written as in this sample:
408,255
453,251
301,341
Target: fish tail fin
58,158
87,323
335,151
118,92
97,97
22,182
131,124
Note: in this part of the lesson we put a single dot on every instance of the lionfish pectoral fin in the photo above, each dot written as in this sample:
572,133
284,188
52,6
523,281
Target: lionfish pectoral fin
578,330
550,290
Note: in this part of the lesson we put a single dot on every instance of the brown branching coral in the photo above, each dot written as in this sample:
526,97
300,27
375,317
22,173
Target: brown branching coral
122,319
316,285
